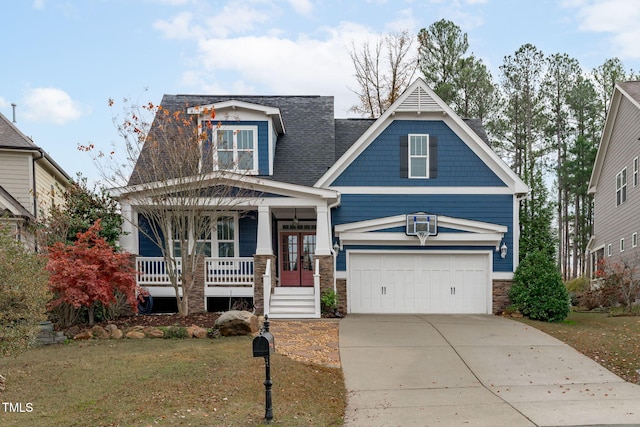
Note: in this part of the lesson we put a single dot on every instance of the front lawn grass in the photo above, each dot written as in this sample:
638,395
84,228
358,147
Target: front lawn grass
614,342
166,382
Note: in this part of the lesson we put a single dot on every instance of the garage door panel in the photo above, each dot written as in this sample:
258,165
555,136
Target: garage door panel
418,283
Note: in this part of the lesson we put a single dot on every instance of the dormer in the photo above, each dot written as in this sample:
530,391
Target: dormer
242,136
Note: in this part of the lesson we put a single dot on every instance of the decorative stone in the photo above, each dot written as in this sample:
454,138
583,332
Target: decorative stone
2,381
135,334
190,330
199,332
100,332
73,331
117,334
235,322
111,327
84,335
154,333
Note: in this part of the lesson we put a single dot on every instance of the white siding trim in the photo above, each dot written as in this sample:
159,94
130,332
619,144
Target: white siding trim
422,190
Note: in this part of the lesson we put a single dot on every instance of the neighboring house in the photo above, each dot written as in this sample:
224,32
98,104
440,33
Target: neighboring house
30,181
335,196
614,180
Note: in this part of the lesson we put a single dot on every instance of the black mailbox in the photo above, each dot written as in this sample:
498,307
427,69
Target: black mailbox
263,345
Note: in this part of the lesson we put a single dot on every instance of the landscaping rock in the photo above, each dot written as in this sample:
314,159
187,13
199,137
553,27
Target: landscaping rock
235,322
190,331
111,327
199,332
84,335
117,334
2,381
154,333
100,332
135,334
73,331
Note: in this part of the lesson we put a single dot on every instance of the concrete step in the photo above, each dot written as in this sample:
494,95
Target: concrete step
294,290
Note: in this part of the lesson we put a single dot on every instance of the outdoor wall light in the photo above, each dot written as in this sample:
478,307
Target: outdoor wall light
503,250
336,247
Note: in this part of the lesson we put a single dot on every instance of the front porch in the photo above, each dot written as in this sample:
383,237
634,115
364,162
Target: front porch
240,277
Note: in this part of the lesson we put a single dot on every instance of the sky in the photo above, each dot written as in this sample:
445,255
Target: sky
64,59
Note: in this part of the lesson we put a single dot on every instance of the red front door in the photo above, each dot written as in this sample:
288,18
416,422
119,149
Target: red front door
296,258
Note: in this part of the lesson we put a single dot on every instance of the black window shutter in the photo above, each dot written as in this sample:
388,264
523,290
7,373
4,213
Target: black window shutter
433,156
404,156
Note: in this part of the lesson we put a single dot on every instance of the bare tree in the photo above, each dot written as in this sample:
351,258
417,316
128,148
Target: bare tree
383,71
176,169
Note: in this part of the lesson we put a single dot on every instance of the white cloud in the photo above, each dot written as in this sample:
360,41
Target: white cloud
51,105
303,7
3,102
619,18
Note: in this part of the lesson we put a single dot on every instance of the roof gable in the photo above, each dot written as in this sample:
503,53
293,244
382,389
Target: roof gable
235,105
11,137
419,102
622,90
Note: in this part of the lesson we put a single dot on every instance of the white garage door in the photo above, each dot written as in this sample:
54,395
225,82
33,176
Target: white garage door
418,283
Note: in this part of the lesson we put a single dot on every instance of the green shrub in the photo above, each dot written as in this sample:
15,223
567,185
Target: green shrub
175,331
23,294
329,300
537,289
577,285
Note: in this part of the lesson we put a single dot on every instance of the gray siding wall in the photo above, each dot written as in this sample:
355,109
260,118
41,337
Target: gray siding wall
611,222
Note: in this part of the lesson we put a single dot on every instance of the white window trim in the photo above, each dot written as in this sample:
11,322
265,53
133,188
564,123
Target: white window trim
609,250
427,156
621,187
622,245
234,128
634,240
635,172
213,241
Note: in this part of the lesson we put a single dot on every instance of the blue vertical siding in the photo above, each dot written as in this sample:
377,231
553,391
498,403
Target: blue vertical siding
379,163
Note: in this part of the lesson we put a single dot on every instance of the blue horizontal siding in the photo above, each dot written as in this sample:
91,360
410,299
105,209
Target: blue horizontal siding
247,235
379,164
494,209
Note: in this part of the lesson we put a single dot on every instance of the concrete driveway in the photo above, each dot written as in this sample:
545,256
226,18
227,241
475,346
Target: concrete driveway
473,370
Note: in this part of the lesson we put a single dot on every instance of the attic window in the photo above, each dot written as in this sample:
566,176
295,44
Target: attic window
234,148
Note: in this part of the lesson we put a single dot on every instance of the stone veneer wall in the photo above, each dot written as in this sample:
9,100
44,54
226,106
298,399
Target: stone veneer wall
501,295
196,295
326,272
341,288
259,268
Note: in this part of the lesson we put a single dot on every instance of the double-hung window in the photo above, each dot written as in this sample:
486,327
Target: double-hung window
235,149
188,233
621,187
226,236
418,156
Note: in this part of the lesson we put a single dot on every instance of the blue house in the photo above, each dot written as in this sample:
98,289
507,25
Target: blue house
409,213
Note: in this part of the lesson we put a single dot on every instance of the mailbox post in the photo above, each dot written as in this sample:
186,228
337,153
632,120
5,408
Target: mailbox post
263,346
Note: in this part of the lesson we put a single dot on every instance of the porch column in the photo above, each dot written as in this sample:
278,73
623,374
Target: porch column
323,237
129,235
263,244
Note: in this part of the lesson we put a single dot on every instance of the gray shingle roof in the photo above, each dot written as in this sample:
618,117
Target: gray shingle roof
306,150
11,137
632,88
314,139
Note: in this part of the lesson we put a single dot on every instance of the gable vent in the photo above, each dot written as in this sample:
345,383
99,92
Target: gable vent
418,101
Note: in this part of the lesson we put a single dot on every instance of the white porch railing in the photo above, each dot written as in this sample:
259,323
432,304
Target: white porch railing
151,271
224,272
228,271
316,288
266,283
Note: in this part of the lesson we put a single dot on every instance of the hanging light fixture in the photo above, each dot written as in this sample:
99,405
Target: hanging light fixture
295,217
